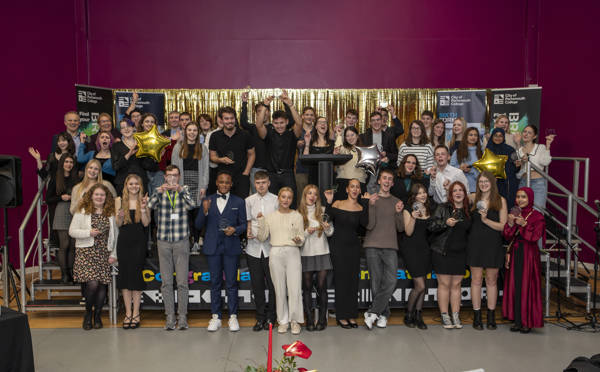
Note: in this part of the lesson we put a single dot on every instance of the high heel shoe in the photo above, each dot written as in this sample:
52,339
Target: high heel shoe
353,324
127,322
345,326
135,324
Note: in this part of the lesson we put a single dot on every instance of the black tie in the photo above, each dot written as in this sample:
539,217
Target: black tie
224,196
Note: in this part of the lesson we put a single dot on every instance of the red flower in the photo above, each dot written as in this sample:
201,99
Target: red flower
297,348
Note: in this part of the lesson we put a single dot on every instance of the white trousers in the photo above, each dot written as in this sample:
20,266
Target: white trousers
286,272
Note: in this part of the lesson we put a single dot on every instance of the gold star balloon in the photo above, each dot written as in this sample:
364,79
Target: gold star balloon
495,164
151,143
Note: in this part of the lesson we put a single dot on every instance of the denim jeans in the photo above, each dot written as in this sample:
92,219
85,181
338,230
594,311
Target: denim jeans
383,269
540,190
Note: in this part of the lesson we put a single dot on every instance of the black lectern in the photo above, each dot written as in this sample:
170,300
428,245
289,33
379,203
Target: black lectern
325,162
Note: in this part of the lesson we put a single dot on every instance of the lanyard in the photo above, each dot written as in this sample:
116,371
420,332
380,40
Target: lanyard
174,199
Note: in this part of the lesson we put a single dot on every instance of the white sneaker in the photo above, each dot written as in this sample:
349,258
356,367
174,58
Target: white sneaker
214,324
381,322
200,241
282,328
370,318
234,326
295,328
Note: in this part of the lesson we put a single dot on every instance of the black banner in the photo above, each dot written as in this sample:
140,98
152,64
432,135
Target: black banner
468,104
152,103
521,105
91,102
199,287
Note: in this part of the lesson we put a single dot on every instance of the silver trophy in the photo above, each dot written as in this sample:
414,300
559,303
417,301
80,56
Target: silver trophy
417,207
223,224
481,205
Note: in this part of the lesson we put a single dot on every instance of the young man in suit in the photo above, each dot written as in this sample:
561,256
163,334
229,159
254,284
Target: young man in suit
385,141
224,216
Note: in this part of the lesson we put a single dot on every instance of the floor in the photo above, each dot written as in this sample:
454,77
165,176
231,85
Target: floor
396,348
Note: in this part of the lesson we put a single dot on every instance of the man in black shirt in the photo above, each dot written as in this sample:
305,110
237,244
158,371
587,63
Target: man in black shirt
280,143
261,161
232,150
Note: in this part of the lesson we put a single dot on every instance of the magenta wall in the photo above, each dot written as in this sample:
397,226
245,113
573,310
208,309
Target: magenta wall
38,74
308,44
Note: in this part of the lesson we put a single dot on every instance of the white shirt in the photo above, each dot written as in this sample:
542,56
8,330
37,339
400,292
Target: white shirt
221,203
315,245
436,186
256,204
539,156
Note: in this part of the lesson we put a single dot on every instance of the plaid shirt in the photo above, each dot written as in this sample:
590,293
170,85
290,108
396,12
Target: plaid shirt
172,230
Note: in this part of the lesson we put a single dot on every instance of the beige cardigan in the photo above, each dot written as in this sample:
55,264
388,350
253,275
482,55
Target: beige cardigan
80,228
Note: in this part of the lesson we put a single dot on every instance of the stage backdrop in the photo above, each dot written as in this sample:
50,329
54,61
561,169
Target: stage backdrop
91,102
521,105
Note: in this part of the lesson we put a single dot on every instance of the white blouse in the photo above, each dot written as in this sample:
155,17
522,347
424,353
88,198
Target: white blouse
539,156
315,245
281,228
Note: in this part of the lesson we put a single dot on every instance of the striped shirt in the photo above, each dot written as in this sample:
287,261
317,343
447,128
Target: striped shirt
173,210
424,154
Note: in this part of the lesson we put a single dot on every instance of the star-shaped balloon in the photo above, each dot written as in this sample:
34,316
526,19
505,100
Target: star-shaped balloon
151,143
297,349
495,164
369,158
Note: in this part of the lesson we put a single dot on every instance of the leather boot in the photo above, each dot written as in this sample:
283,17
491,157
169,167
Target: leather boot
87,320
322,323
64,272
409,319
97,318
309,314
418,320
477,323
491,319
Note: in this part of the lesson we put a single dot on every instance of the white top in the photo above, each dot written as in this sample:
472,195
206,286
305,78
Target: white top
221,203
539,156
315,245
281,227
436,186
256,204
81,226
76,197
424,154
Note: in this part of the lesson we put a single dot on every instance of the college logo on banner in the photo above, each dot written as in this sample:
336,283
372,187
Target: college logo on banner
153,103
468,104
521,105
91,102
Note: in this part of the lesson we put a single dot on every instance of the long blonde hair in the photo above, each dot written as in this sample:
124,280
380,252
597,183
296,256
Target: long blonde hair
125,201
303,208
88,182
455,138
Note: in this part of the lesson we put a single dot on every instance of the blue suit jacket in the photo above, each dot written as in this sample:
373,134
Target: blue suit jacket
215,241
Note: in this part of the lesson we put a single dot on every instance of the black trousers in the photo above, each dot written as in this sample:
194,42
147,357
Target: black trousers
260,279
283,179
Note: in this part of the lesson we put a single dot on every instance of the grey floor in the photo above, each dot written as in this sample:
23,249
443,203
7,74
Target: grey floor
396,348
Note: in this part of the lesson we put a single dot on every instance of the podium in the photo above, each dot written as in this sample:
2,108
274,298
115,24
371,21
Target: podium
325,163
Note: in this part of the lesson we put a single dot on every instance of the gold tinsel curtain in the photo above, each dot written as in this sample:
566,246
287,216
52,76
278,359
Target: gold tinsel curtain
331,103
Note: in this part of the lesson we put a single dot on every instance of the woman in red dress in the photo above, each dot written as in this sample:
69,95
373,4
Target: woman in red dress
522,285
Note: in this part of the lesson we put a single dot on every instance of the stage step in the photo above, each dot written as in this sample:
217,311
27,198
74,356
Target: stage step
56,284
50,266
57,305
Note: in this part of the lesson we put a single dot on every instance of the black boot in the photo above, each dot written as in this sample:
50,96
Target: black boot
322,323
491,319
477,323
309,314
409,319
418,320
70,274
87,320
98,318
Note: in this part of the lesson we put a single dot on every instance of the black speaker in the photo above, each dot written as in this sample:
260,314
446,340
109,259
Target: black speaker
11,182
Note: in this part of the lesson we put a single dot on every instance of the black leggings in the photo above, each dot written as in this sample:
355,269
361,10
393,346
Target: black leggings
95,295
307,287
417,295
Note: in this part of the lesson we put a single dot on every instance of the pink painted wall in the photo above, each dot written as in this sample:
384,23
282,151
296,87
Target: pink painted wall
308,44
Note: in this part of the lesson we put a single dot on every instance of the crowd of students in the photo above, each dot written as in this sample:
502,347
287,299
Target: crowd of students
218,185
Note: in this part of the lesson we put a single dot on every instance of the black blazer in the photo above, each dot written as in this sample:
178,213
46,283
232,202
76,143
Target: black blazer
388,142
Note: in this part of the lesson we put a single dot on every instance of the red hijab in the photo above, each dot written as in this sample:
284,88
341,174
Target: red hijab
532,215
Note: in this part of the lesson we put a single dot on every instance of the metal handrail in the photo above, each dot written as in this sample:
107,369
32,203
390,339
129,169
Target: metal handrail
35,205
586,175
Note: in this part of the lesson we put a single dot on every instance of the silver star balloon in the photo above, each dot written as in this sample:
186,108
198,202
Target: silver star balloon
369,158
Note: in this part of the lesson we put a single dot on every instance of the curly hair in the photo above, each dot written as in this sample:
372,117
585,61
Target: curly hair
87,204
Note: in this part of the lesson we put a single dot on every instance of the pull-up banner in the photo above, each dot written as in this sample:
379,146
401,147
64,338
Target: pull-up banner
468,104
521,105
148,103
91,102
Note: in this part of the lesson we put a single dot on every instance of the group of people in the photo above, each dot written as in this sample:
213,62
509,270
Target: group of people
218,185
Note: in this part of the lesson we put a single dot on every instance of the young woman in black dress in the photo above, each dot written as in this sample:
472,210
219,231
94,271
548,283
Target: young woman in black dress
450,225
132,218
415,252
320,142
409,174
485,249
349,215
